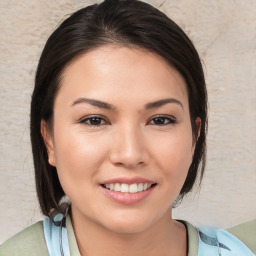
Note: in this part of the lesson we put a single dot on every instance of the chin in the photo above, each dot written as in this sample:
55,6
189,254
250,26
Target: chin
127,227
129,223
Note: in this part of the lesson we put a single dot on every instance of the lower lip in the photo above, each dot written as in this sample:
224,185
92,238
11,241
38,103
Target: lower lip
128,198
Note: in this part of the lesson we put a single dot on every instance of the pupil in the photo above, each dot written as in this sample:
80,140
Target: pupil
159,120
95,121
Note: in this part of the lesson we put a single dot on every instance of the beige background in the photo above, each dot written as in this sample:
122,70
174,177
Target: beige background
224,32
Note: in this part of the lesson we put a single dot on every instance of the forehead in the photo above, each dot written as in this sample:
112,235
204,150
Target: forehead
123,72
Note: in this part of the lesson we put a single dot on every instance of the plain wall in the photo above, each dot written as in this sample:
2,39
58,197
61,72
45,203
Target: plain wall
224,32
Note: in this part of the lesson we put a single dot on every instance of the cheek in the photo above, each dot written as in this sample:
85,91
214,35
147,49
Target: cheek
77,148
78,157
175,154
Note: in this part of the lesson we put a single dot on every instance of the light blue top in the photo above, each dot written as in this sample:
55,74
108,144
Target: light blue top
211,241
46,238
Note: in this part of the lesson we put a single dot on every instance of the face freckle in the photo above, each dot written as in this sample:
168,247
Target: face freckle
121,114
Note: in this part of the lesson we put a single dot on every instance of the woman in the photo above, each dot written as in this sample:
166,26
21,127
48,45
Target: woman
118,125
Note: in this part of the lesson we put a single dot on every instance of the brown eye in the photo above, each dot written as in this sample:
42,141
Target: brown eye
162,120
94,121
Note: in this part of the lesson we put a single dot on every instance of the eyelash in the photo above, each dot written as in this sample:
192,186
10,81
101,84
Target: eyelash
90,118
169,119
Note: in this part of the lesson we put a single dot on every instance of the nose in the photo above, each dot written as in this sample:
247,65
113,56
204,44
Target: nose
129,148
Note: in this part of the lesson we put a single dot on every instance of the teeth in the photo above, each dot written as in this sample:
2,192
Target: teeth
140,187
125,188
133,188
117,187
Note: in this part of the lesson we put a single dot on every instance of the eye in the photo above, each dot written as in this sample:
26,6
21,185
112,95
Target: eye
94,121
162,120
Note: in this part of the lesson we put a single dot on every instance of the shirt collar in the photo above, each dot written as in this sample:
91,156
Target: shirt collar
192,235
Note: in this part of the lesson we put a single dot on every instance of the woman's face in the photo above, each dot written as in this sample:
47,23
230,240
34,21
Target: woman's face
121,121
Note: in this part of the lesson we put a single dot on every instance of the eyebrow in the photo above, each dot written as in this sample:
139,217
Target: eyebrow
105,105
96,103
159,103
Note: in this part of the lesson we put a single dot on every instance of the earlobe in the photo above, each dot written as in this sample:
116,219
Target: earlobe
198,130
48,141
198,127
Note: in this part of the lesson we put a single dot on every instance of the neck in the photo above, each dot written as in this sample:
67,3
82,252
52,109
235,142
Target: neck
165,238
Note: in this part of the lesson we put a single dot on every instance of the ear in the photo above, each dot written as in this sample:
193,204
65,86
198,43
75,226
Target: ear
198,127
198,130
48,141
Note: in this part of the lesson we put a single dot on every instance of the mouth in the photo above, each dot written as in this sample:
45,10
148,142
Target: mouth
128,188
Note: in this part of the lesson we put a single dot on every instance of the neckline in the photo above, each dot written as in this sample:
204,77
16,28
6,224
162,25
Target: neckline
192,238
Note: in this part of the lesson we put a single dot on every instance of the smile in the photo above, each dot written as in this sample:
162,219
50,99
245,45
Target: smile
128,191
128,188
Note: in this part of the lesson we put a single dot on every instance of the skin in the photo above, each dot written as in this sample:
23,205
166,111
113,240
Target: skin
126,141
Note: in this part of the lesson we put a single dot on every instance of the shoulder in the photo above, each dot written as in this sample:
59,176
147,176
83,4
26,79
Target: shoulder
30,241
240,240
246,232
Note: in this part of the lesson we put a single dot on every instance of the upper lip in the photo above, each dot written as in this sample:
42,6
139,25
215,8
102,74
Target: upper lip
128,180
